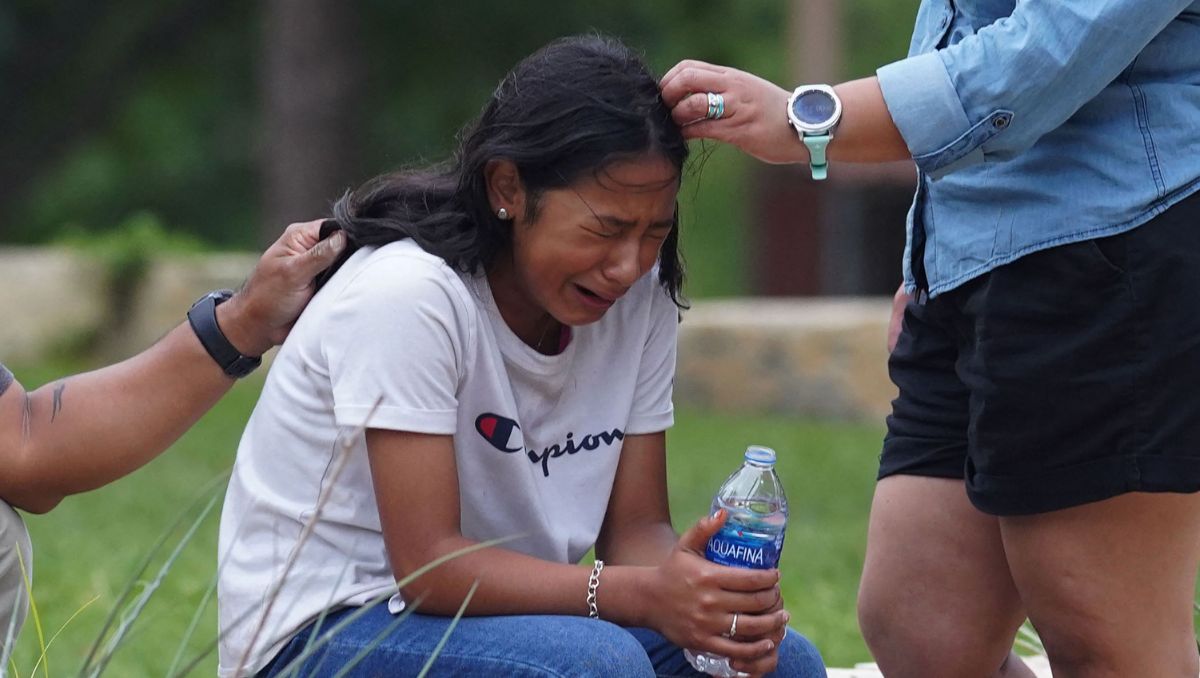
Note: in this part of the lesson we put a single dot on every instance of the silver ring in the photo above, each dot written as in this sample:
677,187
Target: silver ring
732,627
716,106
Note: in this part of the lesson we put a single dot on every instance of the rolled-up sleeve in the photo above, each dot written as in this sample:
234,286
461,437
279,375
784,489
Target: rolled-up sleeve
995,93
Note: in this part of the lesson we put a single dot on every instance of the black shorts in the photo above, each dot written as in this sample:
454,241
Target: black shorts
1068,376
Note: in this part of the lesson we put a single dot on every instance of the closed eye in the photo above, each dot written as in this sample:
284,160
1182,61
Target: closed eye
603,230
659,232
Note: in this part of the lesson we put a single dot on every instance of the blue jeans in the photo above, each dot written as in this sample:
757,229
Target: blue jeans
539,646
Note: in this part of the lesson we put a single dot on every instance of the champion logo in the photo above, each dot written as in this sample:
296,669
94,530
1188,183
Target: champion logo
504,434
498,431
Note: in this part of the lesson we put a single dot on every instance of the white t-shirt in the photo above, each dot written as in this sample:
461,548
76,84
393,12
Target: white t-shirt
536,437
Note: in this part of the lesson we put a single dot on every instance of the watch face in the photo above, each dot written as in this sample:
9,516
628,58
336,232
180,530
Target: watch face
814,107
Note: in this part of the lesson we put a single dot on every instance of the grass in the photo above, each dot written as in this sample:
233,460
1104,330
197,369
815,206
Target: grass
89,547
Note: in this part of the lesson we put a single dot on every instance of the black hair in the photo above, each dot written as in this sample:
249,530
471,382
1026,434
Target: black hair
568,110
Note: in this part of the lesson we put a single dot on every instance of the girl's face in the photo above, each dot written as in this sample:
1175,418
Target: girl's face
590,241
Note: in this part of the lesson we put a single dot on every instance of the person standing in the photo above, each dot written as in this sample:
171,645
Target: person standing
1043,456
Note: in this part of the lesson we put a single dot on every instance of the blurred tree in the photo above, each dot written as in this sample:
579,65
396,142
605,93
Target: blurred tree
114,108
195,112
66,67
311,70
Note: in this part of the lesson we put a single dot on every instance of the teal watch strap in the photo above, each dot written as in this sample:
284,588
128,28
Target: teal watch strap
816,154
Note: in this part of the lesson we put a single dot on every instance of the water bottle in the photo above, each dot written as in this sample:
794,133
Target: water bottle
752,535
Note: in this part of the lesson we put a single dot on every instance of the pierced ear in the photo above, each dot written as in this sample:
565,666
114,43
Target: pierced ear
504,187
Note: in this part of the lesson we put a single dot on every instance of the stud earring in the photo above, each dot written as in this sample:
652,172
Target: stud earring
502,214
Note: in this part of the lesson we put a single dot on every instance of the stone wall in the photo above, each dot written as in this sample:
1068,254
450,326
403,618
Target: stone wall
172,285
821,358
50,298
47,297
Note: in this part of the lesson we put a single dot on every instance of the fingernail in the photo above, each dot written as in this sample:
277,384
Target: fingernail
786,617
770,645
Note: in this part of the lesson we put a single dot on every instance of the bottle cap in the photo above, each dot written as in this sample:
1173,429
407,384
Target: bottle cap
760,455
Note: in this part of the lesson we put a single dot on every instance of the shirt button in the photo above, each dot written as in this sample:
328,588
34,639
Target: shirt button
1000,122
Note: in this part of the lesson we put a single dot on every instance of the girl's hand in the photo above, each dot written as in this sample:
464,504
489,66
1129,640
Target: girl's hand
755,118
692,602
766,663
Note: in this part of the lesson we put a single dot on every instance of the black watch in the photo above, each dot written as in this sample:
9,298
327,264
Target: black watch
202,316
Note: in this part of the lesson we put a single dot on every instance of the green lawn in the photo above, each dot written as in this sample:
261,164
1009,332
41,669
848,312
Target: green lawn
91,545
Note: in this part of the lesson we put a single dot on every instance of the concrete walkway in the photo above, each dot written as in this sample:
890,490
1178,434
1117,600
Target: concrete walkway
1040,666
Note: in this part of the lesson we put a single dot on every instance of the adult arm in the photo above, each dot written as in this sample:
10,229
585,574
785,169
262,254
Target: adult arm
989,97
756,121
85,431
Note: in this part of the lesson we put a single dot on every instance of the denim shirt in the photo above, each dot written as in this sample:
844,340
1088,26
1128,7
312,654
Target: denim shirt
1036,123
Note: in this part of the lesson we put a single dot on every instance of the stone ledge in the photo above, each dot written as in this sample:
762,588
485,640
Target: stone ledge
817,358
821,358
172,285
53,295
50,296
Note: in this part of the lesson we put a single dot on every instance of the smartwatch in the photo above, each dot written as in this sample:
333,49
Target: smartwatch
815,111
202,316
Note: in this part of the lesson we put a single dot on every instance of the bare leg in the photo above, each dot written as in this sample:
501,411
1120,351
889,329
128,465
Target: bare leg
936,597
1109,585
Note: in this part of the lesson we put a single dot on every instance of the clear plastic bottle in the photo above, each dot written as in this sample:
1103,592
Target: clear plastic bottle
752,535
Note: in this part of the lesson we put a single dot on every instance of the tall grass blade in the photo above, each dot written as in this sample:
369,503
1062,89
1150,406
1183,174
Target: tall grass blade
195,622
437,650
175,672
214,643
345,445
293,666
33,610
140,602
11,635
210,647
329,603
141,570
60,630
370,647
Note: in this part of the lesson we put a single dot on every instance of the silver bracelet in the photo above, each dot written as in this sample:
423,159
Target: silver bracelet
593,584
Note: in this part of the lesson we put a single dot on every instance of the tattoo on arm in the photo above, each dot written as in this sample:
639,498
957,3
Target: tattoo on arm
26,418
58,392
